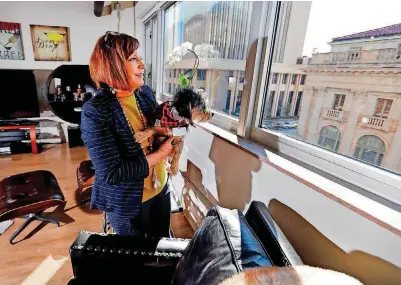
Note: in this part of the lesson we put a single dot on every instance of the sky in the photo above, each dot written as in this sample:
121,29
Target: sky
334,18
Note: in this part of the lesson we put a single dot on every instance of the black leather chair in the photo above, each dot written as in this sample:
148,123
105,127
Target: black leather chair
28,195
226,239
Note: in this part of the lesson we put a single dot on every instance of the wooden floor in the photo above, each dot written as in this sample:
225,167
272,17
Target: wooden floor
41,254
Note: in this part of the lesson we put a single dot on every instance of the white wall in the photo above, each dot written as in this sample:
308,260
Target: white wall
84,26
235,178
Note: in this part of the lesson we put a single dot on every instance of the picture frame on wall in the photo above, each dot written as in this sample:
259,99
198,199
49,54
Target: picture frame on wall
11,47
50,43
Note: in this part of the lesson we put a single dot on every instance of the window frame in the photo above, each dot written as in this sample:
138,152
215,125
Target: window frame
341,101
377,152
284,78
322,137
248,125
382,113
294,76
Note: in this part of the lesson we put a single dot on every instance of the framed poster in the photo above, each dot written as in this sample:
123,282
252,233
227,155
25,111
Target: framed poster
11,42
50,43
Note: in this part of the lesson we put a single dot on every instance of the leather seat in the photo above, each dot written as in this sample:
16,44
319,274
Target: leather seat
27,195
85,179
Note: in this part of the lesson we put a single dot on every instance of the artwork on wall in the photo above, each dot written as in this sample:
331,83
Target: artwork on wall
11,42
50,43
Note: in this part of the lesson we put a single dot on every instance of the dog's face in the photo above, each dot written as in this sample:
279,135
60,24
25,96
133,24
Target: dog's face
192,106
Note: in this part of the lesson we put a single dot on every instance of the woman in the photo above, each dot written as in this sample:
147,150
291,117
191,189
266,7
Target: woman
131,179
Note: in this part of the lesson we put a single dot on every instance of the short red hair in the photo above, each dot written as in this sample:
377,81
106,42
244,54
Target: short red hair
107,62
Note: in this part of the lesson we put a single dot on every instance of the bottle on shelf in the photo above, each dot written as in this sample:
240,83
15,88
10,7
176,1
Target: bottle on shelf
59,96
68,94
80,92
77,94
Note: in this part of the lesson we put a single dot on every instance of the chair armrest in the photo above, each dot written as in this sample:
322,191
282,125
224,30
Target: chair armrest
100,257
269,233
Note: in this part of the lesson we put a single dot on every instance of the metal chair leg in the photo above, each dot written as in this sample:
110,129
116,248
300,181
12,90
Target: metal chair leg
30,218
46,219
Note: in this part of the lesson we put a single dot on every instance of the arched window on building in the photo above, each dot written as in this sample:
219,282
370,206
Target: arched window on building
370,149
330,138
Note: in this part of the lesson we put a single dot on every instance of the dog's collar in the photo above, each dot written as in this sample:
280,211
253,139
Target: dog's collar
176,116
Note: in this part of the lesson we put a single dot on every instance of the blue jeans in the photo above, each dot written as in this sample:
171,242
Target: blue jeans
153,219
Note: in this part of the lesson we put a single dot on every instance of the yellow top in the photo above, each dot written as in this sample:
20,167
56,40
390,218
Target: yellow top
131,110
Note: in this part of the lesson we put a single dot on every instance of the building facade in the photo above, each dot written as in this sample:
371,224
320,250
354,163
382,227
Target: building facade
285,91
352,97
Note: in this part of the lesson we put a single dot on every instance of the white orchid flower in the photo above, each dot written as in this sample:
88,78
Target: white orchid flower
205,51
178,52
185,47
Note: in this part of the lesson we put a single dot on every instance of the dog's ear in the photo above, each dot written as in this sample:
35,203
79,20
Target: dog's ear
184,110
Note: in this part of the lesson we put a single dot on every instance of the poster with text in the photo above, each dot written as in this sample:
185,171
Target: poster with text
50,43
10,41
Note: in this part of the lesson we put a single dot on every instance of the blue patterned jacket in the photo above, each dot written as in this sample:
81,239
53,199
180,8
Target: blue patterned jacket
119,162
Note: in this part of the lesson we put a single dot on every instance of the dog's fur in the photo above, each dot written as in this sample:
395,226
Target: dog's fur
296,275
190,107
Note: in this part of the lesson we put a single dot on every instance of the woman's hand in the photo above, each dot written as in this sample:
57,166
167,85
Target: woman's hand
163,152
162,131
166,148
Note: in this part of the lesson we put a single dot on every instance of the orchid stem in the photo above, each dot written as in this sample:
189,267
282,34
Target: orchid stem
196,65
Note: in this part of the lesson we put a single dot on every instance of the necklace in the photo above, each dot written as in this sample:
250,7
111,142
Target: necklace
156,182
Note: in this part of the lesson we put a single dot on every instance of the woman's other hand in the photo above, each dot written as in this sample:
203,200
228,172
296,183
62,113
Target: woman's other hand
167,147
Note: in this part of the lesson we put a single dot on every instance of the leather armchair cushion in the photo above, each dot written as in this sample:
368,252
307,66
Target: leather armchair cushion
222,246
28,193
113,259
276,243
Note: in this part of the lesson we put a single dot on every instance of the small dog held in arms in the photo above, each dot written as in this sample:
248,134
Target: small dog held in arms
186,107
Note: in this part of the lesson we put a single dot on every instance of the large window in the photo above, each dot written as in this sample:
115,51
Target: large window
284,80
294,79
296,106
330,138
339,100
221,34
289,104
324,95
370,149
269,106
302,81
275,77
201,74
280,104
383,107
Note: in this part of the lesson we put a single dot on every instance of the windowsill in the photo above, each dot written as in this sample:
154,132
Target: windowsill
382,212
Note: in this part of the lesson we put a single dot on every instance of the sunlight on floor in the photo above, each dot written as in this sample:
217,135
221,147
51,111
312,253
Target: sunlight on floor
45,271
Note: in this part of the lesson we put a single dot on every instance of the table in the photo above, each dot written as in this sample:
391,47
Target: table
32,134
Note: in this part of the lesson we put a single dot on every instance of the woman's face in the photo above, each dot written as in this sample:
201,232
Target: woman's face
135,70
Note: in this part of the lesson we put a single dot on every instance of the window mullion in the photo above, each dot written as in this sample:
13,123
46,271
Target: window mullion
260,76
